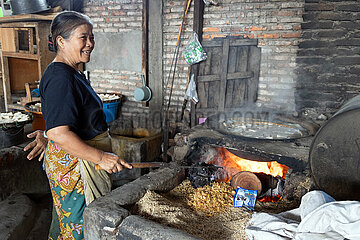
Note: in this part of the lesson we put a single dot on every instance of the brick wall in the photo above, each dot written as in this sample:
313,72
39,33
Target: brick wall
276,23
117,16
173,14
328,59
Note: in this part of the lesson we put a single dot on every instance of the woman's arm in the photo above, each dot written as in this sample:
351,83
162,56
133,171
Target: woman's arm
74,145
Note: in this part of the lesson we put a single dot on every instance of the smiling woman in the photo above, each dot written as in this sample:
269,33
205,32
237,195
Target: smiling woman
76,127
78,47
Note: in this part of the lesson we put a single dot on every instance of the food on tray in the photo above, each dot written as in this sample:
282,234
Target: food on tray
13,117
108,97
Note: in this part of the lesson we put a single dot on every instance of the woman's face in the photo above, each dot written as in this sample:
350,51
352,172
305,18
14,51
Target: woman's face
78,47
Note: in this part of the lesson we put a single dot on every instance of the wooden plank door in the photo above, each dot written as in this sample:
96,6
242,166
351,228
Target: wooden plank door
228,79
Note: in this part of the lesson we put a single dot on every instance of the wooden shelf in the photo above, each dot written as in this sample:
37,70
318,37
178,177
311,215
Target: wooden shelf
28,17
20,67
20,55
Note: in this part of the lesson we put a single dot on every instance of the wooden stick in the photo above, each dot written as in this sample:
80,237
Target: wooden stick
142,165
159,164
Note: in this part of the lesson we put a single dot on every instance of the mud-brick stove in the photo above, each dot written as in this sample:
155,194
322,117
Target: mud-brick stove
326,158
328,161
266,137
110,218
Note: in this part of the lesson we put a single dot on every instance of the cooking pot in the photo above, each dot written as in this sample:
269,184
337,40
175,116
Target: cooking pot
28,6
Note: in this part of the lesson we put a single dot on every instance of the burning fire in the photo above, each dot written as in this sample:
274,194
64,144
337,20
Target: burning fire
234,164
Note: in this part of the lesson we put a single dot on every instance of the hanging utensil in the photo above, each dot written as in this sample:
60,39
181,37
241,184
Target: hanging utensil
142,93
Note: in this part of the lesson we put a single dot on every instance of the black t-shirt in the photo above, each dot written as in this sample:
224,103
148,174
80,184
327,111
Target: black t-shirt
68,99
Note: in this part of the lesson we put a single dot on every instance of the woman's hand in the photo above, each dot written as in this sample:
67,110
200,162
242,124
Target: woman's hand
112,163
38,145
74,145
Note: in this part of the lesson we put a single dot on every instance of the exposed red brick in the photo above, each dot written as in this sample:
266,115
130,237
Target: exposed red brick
291,35
254,28
278,27
248,35
107,20
268,35
212,29
297,27
118,13
217,35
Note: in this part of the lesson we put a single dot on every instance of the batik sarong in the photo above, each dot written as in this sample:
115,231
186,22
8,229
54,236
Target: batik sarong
67,187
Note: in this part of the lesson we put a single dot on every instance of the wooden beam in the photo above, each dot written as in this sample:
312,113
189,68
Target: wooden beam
28,17
5,80
198,28
233,42
155,63
224,68
145,44
45,56
230,76
21,55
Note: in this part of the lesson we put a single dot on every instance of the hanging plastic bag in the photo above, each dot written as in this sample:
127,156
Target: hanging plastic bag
194,52
191,93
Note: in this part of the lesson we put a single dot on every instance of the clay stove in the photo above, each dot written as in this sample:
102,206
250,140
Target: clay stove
266,145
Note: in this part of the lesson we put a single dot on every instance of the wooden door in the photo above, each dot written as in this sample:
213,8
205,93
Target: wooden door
228,79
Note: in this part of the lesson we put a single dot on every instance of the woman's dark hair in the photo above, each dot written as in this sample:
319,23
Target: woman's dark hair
63,24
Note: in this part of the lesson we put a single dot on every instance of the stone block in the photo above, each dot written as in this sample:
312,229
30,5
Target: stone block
127,194
102,214
105,214
163,179
135,227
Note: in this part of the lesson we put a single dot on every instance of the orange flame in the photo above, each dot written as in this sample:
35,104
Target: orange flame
271,198
233,164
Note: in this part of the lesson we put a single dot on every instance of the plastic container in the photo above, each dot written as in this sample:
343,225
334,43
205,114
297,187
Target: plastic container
38,122
110,110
